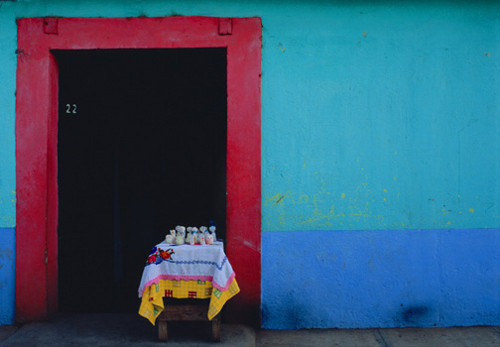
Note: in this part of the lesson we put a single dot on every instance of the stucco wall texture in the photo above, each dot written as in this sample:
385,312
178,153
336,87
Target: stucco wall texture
380,147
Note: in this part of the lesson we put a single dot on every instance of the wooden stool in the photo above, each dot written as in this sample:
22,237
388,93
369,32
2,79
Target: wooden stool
196,312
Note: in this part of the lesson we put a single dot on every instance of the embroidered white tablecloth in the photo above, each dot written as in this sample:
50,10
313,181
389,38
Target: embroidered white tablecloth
186,262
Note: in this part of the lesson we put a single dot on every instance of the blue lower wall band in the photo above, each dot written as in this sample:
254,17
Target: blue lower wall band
7,275
395,278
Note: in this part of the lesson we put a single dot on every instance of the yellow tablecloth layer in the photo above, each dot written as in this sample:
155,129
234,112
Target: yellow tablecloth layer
152,298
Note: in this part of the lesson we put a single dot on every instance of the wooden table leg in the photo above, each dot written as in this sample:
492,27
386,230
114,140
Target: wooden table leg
216,324
162,330
187,313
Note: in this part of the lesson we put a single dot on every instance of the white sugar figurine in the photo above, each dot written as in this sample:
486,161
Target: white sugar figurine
180,230
209,238
192,238
202,238
196,235
170,238
212,230
179,239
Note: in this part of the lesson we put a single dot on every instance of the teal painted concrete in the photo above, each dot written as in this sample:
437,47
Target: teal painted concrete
8,64
382,117
376,115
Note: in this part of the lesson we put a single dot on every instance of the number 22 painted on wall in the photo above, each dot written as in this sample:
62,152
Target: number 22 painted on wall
71,108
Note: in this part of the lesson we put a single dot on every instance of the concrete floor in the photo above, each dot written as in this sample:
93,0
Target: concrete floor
132,330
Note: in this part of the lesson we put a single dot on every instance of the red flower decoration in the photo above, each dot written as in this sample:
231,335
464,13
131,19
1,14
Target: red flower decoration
159,255
164,254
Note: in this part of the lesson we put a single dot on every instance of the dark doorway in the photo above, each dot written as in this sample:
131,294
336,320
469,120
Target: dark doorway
141,148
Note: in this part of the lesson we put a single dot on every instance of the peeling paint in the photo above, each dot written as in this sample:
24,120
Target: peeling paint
303,199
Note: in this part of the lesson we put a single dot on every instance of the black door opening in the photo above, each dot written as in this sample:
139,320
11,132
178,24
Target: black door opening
141,148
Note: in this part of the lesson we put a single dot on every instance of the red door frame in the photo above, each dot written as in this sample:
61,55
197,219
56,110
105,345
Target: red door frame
36,141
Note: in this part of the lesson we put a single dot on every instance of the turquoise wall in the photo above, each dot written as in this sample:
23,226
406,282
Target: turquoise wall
381,117
380,147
